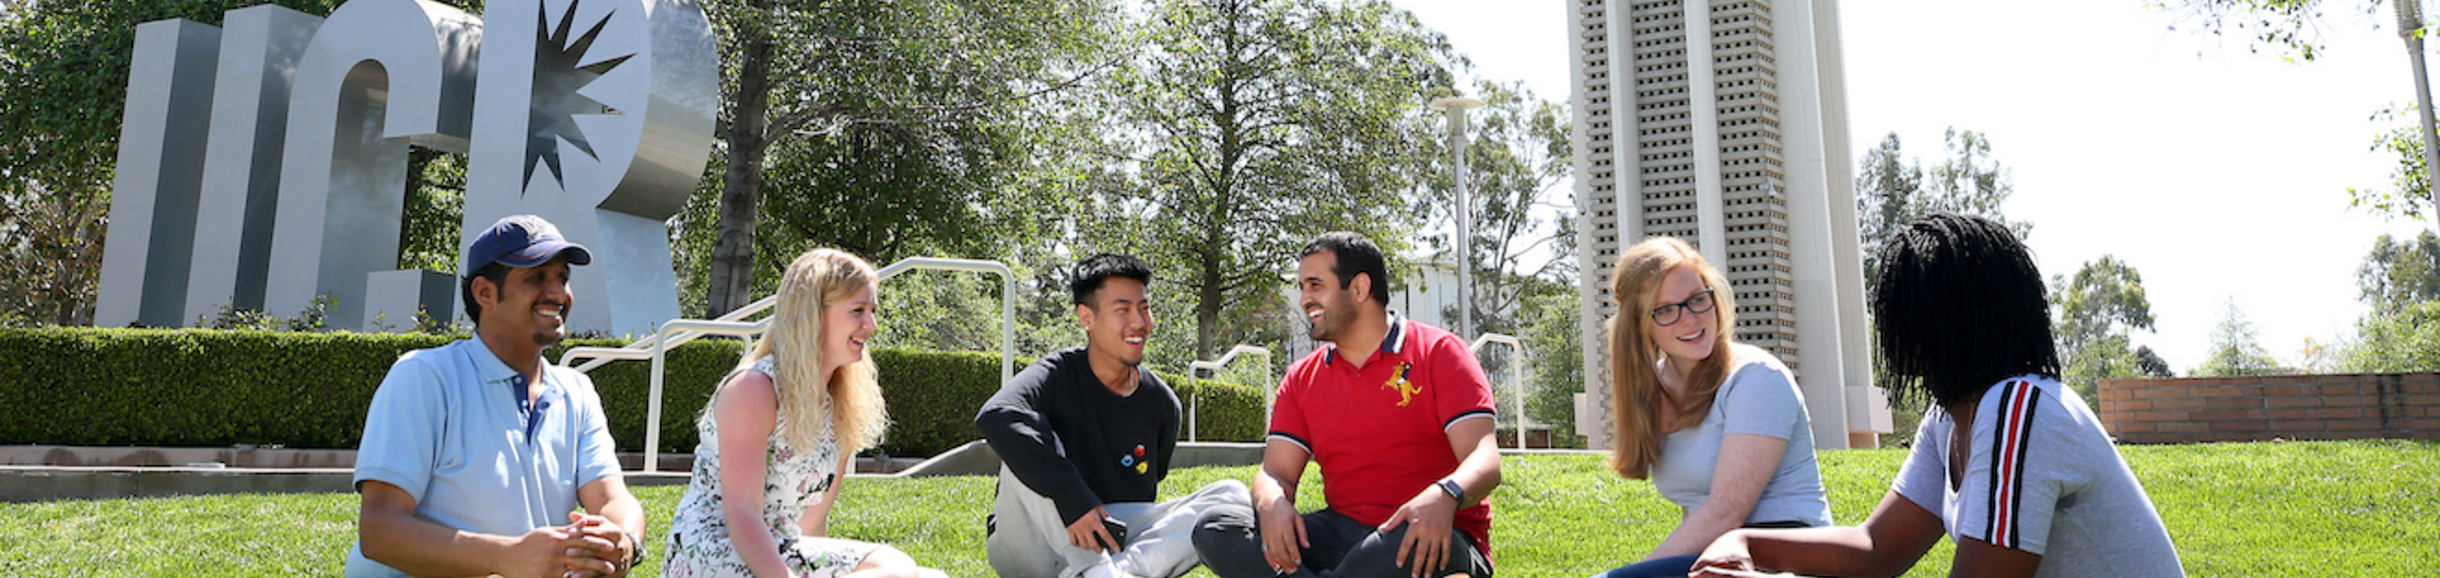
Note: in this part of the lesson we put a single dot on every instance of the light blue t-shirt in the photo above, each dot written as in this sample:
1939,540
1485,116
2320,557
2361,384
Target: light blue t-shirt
445,426
1759,397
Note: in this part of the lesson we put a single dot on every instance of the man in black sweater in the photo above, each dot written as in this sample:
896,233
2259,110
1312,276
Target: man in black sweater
1085,437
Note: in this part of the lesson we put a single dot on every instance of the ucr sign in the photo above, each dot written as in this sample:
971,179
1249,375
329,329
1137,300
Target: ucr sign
264,164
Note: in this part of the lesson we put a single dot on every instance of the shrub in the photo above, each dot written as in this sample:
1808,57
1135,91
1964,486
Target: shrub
80,386
197,387
2406,340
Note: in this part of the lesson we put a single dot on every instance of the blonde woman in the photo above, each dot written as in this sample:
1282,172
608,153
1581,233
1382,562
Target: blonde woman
802,402
1718,426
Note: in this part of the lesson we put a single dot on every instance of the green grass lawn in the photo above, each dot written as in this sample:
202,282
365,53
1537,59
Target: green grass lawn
2365,508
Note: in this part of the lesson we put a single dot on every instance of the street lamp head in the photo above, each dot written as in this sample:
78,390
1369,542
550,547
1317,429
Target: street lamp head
1455,103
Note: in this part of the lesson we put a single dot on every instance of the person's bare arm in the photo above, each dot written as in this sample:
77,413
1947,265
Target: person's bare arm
1744,468
1429,515
1281,527
393,536
1979,558
1478,468
1890,542
745,412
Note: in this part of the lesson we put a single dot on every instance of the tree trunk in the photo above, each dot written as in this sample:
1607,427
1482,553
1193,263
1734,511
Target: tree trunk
1210,294
76,286
1208,300
731,279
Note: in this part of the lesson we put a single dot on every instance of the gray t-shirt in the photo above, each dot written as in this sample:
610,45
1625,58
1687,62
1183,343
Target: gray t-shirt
1759,397
2042,477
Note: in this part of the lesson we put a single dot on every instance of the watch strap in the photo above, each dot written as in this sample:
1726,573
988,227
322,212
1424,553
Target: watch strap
1455,491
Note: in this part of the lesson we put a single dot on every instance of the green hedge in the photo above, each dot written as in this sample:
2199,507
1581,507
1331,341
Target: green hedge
194,387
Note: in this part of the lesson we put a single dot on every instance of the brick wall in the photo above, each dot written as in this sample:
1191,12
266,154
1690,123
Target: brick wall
2296,407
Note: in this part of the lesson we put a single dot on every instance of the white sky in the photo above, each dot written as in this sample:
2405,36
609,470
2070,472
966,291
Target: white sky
2218,172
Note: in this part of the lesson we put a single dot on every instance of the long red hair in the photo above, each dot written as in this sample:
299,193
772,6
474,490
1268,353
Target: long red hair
1635,380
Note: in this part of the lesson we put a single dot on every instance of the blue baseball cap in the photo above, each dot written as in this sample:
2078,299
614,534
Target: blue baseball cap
522,241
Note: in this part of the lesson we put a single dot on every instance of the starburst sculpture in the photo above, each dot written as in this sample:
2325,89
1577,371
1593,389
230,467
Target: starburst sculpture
557,77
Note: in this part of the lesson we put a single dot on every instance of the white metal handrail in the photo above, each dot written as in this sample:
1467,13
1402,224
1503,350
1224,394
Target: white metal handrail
678,332
1194,407
1516,372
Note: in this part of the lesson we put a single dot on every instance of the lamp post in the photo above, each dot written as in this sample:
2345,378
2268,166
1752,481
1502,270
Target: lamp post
1456,107
2410,28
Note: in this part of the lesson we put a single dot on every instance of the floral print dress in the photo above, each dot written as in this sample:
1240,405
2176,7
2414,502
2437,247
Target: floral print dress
793,479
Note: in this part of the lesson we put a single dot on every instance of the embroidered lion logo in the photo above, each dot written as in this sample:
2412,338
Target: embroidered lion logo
1406,389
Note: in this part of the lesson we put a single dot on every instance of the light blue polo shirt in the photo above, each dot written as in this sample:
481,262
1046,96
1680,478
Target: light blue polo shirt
445,427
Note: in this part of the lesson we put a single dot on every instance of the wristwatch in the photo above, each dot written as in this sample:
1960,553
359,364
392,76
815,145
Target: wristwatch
638,556
1455,491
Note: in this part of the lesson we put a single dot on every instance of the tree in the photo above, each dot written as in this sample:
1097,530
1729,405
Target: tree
2400,281
2292,27
434,211
2236,350
1554,337
2098,308
1892,190
896,100
2151,364
2318,356
1252,125
2106,297
2398,273
2405,340
2410,194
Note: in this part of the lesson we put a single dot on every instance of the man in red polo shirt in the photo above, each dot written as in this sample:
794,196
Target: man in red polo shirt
1397,413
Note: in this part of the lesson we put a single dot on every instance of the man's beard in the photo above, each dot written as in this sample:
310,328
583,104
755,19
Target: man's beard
1334,320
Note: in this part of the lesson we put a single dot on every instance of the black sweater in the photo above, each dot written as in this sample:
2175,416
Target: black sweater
1067,437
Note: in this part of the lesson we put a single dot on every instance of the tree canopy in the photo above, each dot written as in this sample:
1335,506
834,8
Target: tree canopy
2098,308
1892,189
1252,125
2236,349
2293,28
902,109
2397,273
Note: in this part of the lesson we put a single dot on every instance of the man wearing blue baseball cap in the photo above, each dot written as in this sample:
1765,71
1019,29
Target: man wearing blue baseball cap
476,454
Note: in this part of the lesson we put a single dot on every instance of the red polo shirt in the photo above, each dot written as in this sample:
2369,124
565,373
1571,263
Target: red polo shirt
1380,432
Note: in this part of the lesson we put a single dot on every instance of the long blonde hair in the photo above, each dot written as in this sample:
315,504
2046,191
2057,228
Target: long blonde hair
1635,381
850,405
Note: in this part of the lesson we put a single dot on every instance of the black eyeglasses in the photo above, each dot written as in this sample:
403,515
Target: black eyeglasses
1670,313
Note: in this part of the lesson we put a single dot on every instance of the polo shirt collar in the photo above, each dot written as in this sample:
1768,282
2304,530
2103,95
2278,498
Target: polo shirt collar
487,364
489,367
1392,343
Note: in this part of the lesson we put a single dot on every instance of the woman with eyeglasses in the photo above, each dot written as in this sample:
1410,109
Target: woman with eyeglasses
1718,426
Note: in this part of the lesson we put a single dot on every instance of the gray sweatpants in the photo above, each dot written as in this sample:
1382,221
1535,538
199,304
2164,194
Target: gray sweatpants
1029,541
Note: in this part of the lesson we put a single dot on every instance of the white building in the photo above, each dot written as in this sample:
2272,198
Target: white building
1736,142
